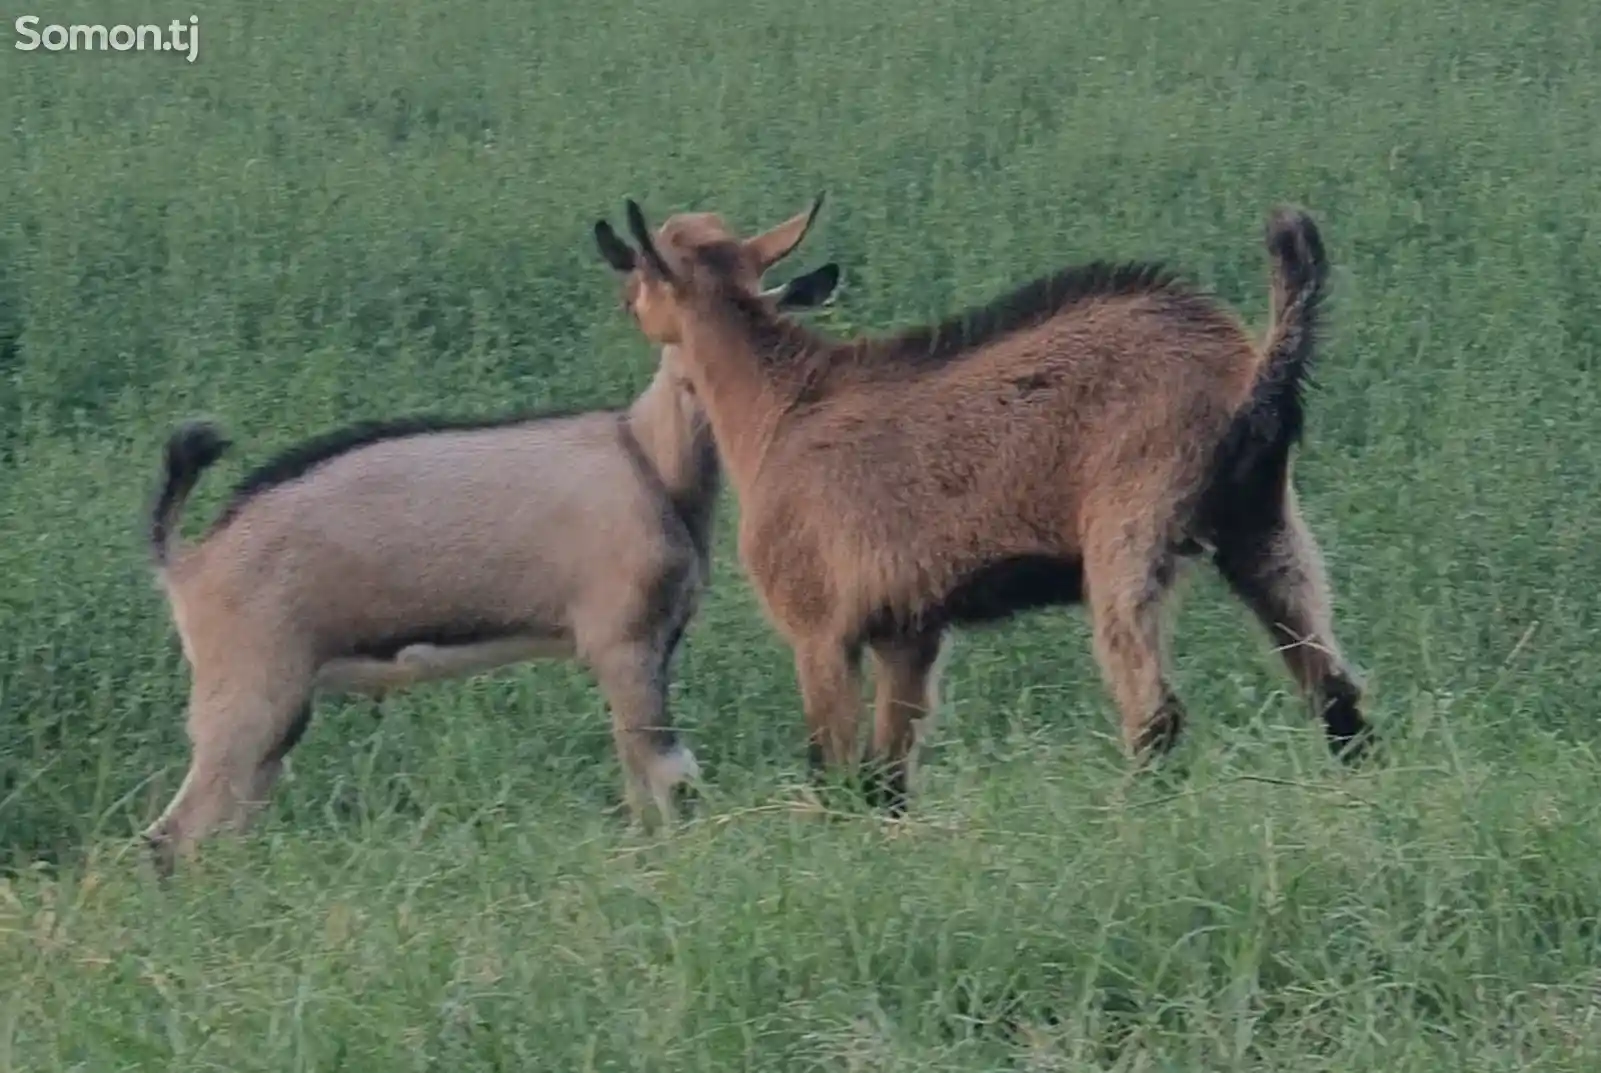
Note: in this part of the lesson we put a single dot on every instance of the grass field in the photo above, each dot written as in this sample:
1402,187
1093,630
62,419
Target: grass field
330,216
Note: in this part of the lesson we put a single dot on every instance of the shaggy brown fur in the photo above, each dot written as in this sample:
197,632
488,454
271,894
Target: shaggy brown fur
1072,440
393,553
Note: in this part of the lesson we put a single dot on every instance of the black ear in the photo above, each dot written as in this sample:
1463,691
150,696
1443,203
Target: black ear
810,289
647,245
617,253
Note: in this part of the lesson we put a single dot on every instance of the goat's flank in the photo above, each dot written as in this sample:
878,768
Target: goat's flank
392,553
1074,440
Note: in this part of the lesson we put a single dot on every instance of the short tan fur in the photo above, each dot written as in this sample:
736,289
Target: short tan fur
1074,440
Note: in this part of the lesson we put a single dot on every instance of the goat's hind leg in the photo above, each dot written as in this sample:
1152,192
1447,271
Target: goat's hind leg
1275,567
1128,580
238,741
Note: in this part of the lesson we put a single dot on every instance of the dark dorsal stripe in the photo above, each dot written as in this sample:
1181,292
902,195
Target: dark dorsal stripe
1022,307
696,506
1033,303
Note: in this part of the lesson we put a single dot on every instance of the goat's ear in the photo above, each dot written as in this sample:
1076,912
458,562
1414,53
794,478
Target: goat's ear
617,253
647,245
772,246
809,290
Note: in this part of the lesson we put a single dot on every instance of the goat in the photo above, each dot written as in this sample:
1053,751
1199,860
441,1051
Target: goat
1075,440
392,553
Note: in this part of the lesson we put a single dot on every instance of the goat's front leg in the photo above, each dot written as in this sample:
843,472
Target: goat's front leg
633,675
906,695
829,674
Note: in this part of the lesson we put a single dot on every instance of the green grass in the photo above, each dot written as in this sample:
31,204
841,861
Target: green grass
330,217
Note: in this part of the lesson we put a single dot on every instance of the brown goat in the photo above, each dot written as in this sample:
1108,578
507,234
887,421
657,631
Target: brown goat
393,553
1077,438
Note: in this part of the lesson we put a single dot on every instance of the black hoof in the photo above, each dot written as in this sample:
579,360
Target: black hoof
1355,746
685,798
884,787
1351,737
1158,737
160,853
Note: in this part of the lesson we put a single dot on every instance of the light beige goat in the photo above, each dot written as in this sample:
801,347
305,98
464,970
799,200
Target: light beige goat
392,553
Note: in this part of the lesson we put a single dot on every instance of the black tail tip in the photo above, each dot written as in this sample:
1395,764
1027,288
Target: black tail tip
194,445
1295,242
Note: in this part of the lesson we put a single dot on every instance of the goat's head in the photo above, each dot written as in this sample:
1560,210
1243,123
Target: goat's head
696,254
809,290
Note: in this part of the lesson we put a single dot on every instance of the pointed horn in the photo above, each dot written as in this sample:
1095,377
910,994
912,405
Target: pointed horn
776,243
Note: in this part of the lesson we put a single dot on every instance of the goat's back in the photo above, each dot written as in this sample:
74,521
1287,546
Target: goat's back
1073,400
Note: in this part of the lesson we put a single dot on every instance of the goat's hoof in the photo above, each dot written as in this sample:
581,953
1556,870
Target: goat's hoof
161,854
1351,737
1160,733
1354,747
884,786
685,799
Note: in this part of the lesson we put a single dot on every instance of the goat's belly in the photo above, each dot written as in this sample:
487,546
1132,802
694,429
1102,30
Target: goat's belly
426,661
999,588
985,593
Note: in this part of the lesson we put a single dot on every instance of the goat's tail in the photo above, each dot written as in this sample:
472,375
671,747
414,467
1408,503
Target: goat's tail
191,449
1270,422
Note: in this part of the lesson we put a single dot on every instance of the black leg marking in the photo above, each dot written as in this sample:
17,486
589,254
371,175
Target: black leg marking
292,734
1350,735
815,767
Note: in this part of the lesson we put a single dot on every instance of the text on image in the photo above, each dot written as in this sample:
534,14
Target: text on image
180,36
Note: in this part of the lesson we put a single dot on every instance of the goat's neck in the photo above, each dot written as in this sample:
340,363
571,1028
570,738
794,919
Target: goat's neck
740,363
676,439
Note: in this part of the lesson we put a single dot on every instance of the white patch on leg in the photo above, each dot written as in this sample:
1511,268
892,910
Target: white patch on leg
677,765
665,771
